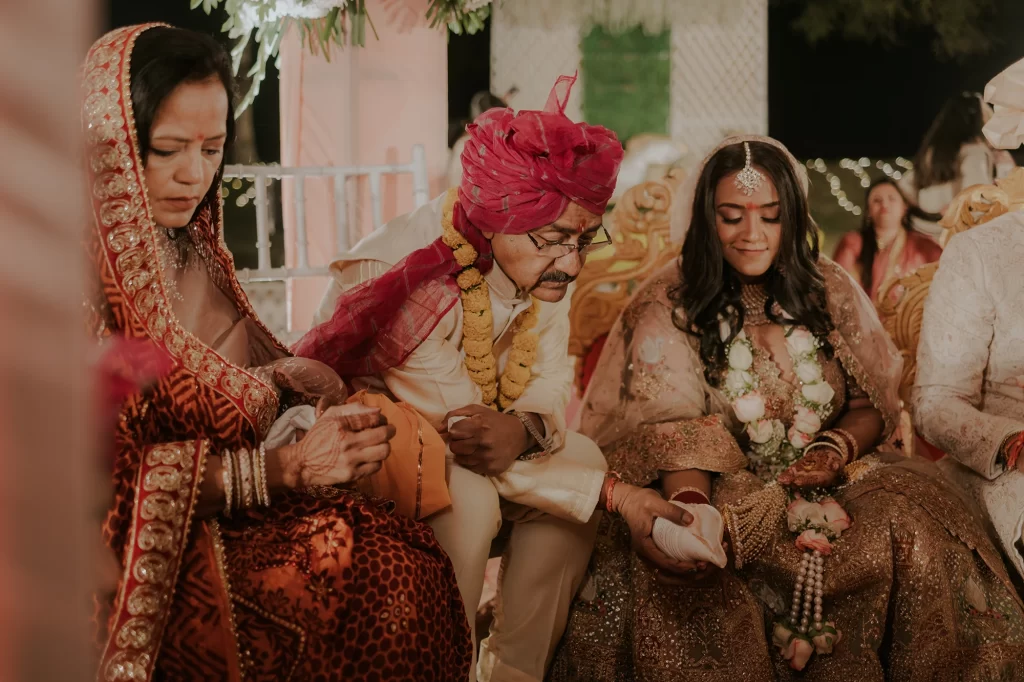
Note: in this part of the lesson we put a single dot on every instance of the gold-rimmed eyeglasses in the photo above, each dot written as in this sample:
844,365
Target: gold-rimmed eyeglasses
586,245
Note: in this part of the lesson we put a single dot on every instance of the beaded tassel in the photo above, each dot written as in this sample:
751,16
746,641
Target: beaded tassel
807,593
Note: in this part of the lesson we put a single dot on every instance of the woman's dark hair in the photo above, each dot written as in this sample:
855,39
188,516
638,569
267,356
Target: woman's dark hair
868,239
710,288
163,58
959,122
481,102
484,101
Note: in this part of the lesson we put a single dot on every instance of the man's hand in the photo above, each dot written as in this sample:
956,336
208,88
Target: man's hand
639,507
486,442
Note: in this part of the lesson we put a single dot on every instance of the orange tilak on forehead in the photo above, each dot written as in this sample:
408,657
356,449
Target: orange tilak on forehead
751,206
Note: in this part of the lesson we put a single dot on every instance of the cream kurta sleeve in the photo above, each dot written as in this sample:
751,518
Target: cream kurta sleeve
547,394
952,357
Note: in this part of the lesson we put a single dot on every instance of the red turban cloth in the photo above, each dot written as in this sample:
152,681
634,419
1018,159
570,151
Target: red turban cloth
520,172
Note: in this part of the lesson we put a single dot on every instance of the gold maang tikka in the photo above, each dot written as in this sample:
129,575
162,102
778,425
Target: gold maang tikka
748,179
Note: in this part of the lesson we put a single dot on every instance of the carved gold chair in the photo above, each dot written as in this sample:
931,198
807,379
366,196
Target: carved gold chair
901,300
639,227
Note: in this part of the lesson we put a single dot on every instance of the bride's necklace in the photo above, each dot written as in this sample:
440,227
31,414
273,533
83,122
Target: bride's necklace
754,299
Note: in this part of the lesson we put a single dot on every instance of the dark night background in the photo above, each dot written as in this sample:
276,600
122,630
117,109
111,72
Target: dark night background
837,98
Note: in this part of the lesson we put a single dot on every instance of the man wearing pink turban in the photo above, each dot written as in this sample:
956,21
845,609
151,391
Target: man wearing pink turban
509,242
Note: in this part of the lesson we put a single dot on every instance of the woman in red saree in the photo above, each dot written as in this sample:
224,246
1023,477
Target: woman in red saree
303,580
886,247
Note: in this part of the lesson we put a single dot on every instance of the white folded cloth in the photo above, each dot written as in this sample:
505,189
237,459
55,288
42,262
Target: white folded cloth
700,541
282,431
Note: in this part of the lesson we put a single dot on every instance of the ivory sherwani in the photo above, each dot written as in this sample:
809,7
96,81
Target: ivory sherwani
969,392
552,499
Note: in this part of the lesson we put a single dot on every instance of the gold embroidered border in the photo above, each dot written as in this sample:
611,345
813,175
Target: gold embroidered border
167,487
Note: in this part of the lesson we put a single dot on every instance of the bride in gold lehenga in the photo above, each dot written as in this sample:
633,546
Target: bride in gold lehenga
753,380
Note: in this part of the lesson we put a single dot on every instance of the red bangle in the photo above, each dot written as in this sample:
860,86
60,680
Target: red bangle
609,486
1013,448
689,495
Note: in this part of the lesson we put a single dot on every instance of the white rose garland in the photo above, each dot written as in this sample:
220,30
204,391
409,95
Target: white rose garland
772,448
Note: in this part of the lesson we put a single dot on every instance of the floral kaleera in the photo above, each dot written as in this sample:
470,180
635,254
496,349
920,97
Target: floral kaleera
478,324
773,449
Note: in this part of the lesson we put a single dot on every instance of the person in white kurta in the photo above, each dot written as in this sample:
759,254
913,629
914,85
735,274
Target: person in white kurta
969,393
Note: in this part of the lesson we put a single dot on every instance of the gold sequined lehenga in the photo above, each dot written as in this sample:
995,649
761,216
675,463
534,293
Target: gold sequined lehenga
915,586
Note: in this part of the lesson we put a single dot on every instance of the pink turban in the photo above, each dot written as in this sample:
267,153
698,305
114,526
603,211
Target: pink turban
520,172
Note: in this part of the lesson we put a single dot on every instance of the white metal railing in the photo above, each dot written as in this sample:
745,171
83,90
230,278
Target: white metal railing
261,175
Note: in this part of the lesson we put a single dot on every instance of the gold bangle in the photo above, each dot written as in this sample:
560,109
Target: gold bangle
227,479
254,465
245,469
264,487
850,441
827,444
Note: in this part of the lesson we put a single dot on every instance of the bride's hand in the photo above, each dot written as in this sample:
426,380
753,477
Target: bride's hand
639,507
818,468
329,454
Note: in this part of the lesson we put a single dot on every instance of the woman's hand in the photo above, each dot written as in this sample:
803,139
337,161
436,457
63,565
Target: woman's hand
330,454
326,402
639,507
818,468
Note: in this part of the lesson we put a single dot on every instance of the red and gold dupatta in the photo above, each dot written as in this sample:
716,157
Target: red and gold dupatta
160,460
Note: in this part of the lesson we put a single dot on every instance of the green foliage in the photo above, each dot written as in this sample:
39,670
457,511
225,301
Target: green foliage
959,25
626,81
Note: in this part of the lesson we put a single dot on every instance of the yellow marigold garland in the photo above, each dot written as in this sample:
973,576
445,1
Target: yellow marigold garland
478,324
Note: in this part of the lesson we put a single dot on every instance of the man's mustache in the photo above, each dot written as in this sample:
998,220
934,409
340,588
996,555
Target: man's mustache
556,276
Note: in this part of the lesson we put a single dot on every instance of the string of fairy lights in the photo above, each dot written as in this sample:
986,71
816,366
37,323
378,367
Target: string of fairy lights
858,167
244,196
244,191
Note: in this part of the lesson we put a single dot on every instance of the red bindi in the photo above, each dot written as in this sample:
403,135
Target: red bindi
751,206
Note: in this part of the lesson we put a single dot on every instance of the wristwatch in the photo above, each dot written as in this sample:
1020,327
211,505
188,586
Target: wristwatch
544,445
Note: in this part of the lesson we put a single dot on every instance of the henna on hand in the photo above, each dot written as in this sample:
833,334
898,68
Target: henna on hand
818,468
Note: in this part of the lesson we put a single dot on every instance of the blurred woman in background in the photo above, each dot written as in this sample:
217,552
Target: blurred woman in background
885,247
